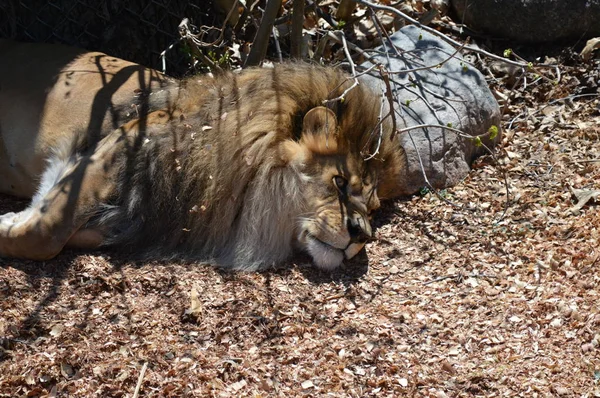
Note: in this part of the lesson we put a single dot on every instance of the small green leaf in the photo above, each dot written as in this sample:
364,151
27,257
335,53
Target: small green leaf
493,130
530,65
420,36
465,68
508,52
449,124
407,103
477,141
341,24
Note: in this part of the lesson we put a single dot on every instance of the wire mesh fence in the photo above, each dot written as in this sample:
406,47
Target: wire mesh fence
136,30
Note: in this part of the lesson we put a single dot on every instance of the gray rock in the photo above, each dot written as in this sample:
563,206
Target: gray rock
454,94
533,21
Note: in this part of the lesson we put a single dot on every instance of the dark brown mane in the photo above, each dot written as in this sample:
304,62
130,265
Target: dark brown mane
215,173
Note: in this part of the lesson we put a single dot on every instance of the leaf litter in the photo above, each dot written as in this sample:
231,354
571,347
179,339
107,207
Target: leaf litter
483,300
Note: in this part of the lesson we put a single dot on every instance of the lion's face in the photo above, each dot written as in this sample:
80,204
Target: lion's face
339,192
337,225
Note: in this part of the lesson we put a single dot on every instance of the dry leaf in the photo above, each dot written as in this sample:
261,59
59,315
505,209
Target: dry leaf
239,385
590,46
195,303
67,370
56,330
583,197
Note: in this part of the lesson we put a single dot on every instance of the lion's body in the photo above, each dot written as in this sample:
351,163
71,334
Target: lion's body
239,169
52,94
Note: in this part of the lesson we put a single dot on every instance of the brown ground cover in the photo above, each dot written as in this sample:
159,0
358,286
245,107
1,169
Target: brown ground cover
473,296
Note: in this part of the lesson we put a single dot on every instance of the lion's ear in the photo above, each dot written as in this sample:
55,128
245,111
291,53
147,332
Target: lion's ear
319,131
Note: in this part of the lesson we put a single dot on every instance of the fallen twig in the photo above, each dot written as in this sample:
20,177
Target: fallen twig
140,380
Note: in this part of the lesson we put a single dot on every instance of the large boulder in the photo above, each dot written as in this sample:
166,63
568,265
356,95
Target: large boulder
533,21
448,93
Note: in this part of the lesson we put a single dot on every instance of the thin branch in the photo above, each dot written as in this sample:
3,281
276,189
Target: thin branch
140,380
352,68
261,40
297,25
353,77
332,35
275,34
186,33
454,130
459,277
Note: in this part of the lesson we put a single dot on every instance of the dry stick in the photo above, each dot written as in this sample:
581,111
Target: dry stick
355,76
332,36
196,38
532,67
186,34
459,277
459,46
140,380
297,24
227,5
352,68
275,33
261,40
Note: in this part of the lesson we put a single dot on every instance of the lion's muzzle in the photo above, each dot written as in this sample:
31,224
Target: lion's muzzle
329,243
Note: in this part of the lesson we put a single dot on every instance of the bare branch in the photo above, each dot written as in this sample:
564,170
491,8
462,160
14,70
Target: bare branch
275,33
136,393
352,68
225,6
297,25
261,40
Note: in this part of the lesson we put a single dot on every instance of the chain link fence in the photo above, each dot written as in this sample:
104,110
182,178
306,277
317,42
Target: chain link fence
136,30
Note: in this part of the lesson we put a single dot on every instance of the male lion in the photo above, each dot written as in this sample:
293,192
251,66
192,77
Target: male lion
239,169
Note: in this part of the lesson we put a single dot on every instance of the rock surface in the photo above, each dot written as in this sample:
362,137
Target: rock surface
454,94
532,21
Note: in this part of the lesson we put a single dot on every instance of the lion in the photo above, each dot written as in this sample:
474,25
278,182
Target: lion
240,169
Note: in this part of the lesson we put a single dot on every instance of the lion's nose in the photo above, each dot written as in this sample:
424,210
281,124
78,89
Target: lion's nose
359,229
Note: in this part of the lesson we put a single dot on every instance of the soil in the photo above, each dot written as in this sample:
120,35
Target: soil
472,293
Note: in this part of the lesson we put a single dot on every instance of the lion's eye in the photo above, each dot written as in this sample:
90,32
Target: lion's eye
340,182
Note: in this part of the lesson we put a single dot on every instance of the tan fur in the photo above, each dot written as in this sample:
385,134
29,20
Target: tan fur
239,169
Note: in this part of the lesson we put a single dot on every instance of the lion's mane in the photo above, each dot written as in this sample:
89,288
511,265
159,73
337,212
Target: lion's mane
211,182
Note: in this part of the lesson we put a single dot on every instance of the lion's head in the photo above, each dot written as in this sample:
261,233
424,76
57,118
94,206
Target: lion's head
338,189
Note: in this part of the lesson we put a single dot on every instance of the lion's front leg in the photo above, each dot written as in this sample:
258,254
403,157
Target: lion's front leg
56,215
26,235
9,219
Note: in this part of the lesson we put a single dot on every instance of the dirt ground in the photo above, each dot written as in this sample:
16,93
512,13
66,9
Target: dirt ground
476,295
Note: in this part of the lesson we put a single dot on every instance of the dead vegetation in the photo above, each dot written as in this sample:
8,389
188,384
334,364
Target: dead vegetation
458,298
